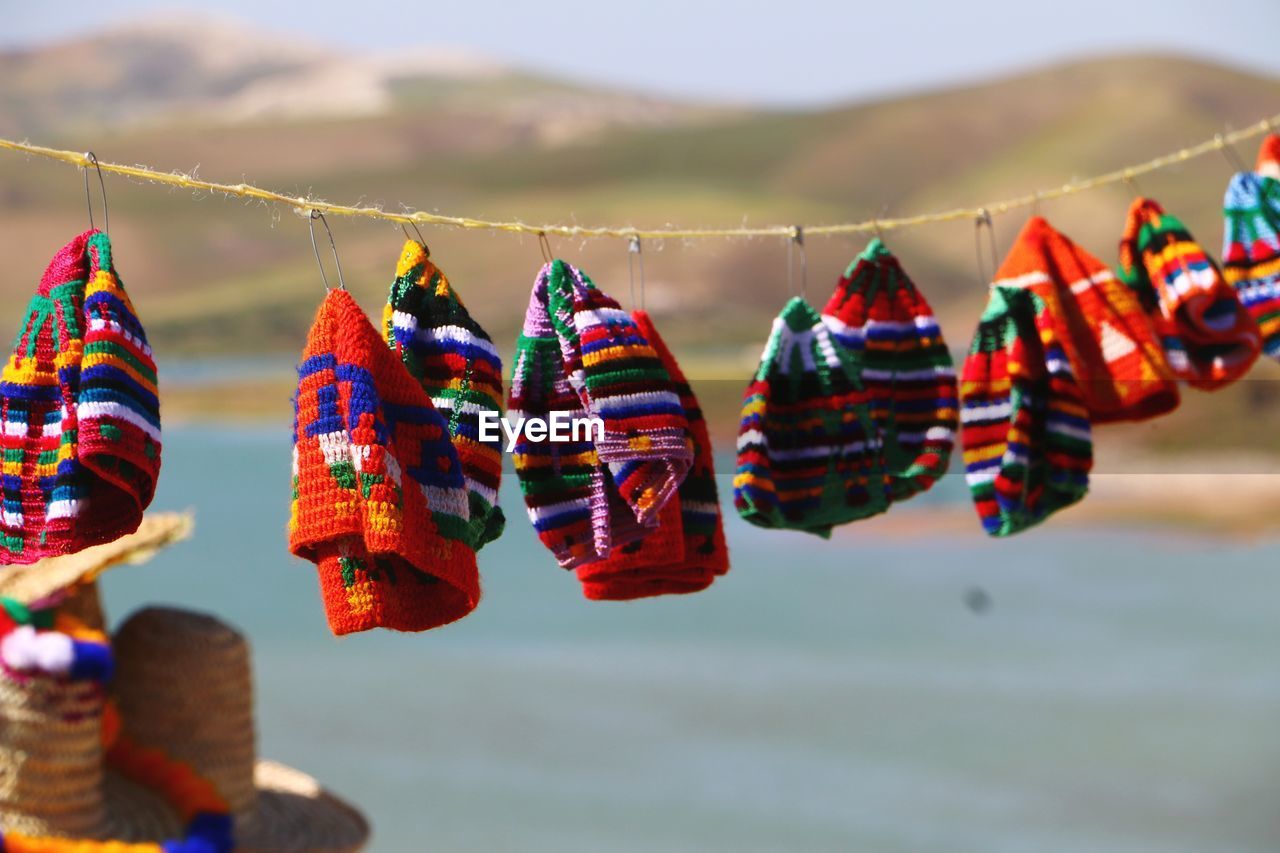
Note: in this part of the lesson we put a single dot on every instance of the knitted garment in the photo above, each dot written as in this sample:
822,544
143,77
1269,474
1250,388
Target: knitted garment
1208,337
1026,435
809,454
458,366
687,550
1251,251
81,415
379,499
580,356
877,314
1114,352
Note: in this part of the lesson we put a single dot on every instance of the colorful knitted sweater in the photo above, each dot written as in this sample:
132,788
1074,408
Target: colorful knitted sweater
457,364
878,315
78,399
1208,337
809,453
1251,251
1026,434
379,498
580,354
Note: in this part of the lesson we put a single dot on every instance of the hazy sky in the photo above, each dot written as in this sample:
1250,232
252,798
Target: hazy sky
794,51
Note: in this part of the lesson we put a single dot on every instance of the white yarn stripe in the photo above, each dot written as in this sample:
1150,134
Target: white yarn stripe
88,411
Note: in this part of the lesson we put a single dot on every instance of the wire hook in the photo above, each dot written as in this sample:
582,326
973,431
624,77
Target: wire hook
634,253
421,239
545,245
984,218
311,224
1131,182
102,184
797,242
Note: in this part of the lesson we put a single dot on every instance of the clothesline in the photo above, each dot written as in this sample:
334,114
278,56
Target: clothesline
307,205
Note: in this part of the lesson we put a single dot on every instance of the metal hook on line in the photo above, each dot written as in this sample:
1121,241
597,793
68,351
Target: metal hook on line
875,223
984,218
311,225
1131,182
545,245
797,242
636,255
102,185
421,239
1229,151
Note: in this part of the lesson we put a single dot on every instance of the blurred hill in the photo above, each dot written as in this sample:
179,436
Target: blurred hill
459,134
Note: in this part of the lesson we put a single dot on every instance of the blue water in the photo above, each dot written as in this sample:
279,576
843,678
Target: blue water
1120,694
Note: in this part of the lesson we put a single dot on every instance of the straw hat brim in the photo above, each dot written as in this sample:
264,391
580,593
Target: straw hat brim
292,812
44,579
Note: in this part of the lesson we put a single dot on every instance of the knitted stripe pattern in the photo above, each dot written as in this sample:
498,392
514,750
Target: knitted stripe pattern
1251,251
1026,434
581,356
878,315
379,499
458,366
81,415
622,381
1115,354
687,550
1208,337
809,454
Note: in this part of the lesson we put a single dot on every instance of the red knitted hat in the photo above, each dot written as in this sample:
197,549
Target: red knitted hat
687,550
1209,339
380,504
80,410
1114,352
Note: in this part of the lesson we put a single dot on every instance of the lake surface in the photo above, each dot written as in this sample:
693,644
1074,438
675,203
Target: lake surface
1121,693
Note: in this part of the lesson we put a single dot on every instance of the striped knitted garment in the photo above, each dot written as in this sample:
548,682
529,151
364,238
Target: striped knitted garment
581,356
809,455
457,364
379,500
687,550
1251,251
1026,435
877,314
1115,354
81,437
1208,337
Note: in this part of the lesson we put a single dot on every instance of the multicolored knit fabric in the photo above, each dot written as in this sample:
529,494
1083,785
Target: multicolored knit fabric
1251,251
809,454
1208,337
1026,435
1115,354
687,550
78,399
878,315
379,499
455,360
580,356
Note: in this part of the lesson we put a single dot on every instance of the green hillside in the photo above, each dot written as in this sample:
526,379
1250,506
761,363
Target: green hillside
225,277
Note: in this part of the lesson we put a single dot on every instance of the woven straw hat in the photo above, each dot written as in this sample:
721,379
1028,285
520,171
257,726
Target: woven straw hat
184,686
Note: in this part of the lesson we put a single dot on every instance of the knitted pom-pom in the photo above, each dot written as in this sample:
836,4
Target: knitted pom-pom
1115,354
809,455
1268,163
1251,251
1026,433
458,366
877,313
81,414
379,503
1208,337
